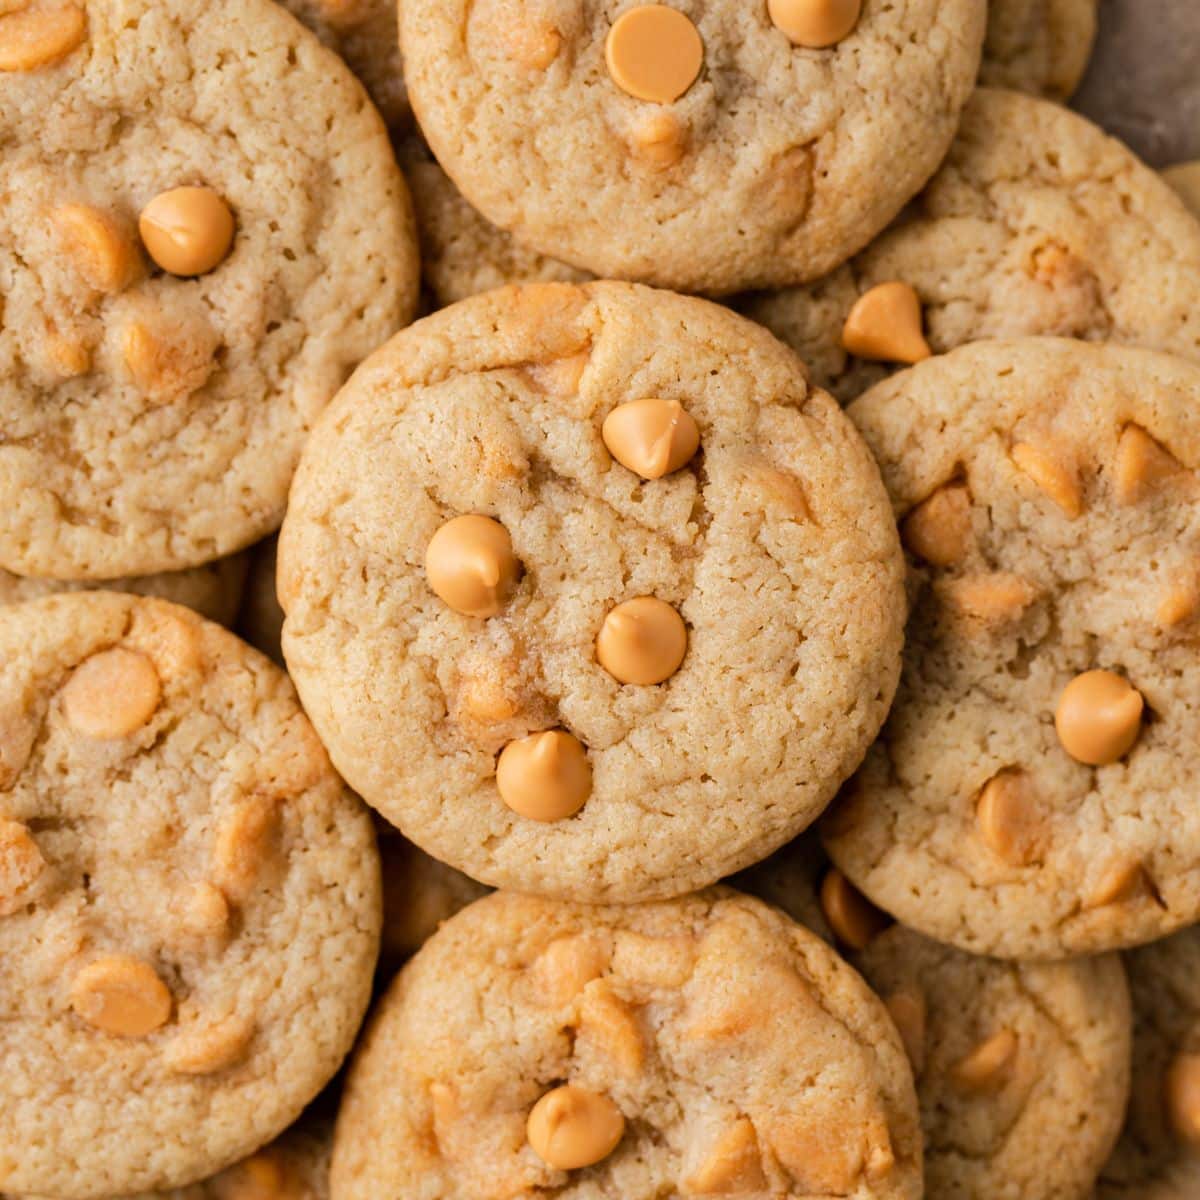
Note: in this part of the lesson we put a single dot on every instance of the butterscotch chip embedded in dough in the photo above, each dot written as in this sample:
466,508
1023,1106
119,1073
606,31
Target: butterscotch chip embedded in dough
651,436
1099,717
470,563
642,641
570,1128
854,920
654,52
545,776
187,230
21,864
122,996
816,24
112,694
100,248
1183,1097
40,34
938,529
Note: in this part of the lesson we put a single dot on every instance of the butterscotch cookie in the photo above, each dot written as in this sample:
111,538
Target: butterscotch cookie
1185,179
699,1046
1158,1156
189,899
214,590
1038,46
631,532
1028,796
1038,223
703,147
206,234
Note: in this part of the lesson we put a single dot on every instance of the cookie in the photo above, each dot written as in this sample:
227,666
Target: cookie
1185,179
698,1046
1038,46
705,148
1029,795
1038,223
190,899
1156,1158
206,235
462,252
364,33
214,590
682,541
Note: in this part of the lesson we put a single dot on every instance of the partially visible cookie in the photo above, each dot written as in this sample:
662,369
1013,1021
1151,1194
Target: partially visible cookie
1030,794
1038,46
214,590
189,899
631,532
1037,223
705,147
1185,179
206,235
1158,1156
698,1046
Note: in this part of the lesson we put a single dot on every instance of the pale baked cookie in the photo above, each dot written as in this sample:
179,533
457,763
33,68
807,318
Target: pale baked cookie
364,33
1029,796
1038,223
683,542
189,898
462,252
206,234
703,147
1185,179
1038,46
699,1046
214,590
1158,1156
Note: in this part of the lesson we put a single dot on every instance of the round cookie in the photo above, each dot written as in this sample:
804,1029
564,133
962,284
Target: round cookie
1157,1157
1029,795
214,590
698,147
1185,179
771,558
1038,223
741,1054
190,899
1038,46
152,421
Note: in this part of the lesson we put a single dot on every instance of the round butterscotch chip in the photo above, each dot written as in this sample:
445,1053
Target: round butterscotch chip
545,776
188,230
885,325
815,24
1099,717
642,641
1182,1085
112,694
571,1127
470,564
122,996
651,437
654,52
854,920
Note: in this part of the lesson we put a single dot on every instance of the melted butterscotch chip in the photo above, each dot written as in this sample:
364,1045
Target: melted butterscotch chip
608,1023
885,325
21,865
993,599
1141,466
1010,821
1123,881
1053,473
823,1166
112,694
122,996
1179,602
987,1066
938,530
1099,717
206,911
247,846
658,139
570,1128
167,363
732,1163
908,1011
559,376
854,920
209,1048
35,38
532,43
99,246
566,966
1181,1088
68,357
654,52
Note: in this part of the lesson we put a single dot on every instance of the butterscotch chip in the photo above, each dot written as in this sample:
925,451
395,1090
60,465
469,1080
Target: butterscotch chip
566,966
994,599
1010,822
209,1048
1142,465
168,361
188,230
570,1128
122,996
938,529
652,437
100,248
21,864
659,139
985,1068
112,694
852,917
1179,601
815,23
68,356
470,564
609,1026
1053,473
247,846
1122,881
733,1163
642,641
885,325
40,37
654,52
206,913
908,1010
546,776
1099,717
1183,1097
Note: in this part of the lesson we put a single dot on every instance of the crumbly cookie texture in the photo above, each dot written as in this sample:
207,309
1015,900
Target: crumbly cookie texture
189,899
741,1053
1037,223
722,156
1156,1158
214,590
462,252
151,421
364,33
1038,46
1184,178
774,543
1028,796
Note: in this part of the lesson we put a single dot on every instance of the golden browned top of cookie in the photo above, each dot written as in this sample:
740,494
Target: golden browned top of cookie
739,1052
189,899
1029,794
152,420
493,425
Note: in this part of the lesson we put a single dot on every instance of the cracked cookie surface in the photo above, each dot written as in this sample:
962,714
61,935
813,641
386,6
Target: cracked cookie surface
775,545
189,899
742,1053
1038,223
773,166
1048,500
150,422
1038,46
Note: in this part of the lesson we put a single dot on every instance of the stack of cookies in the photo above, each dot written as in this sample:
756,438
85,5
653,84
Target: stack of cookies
707,710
